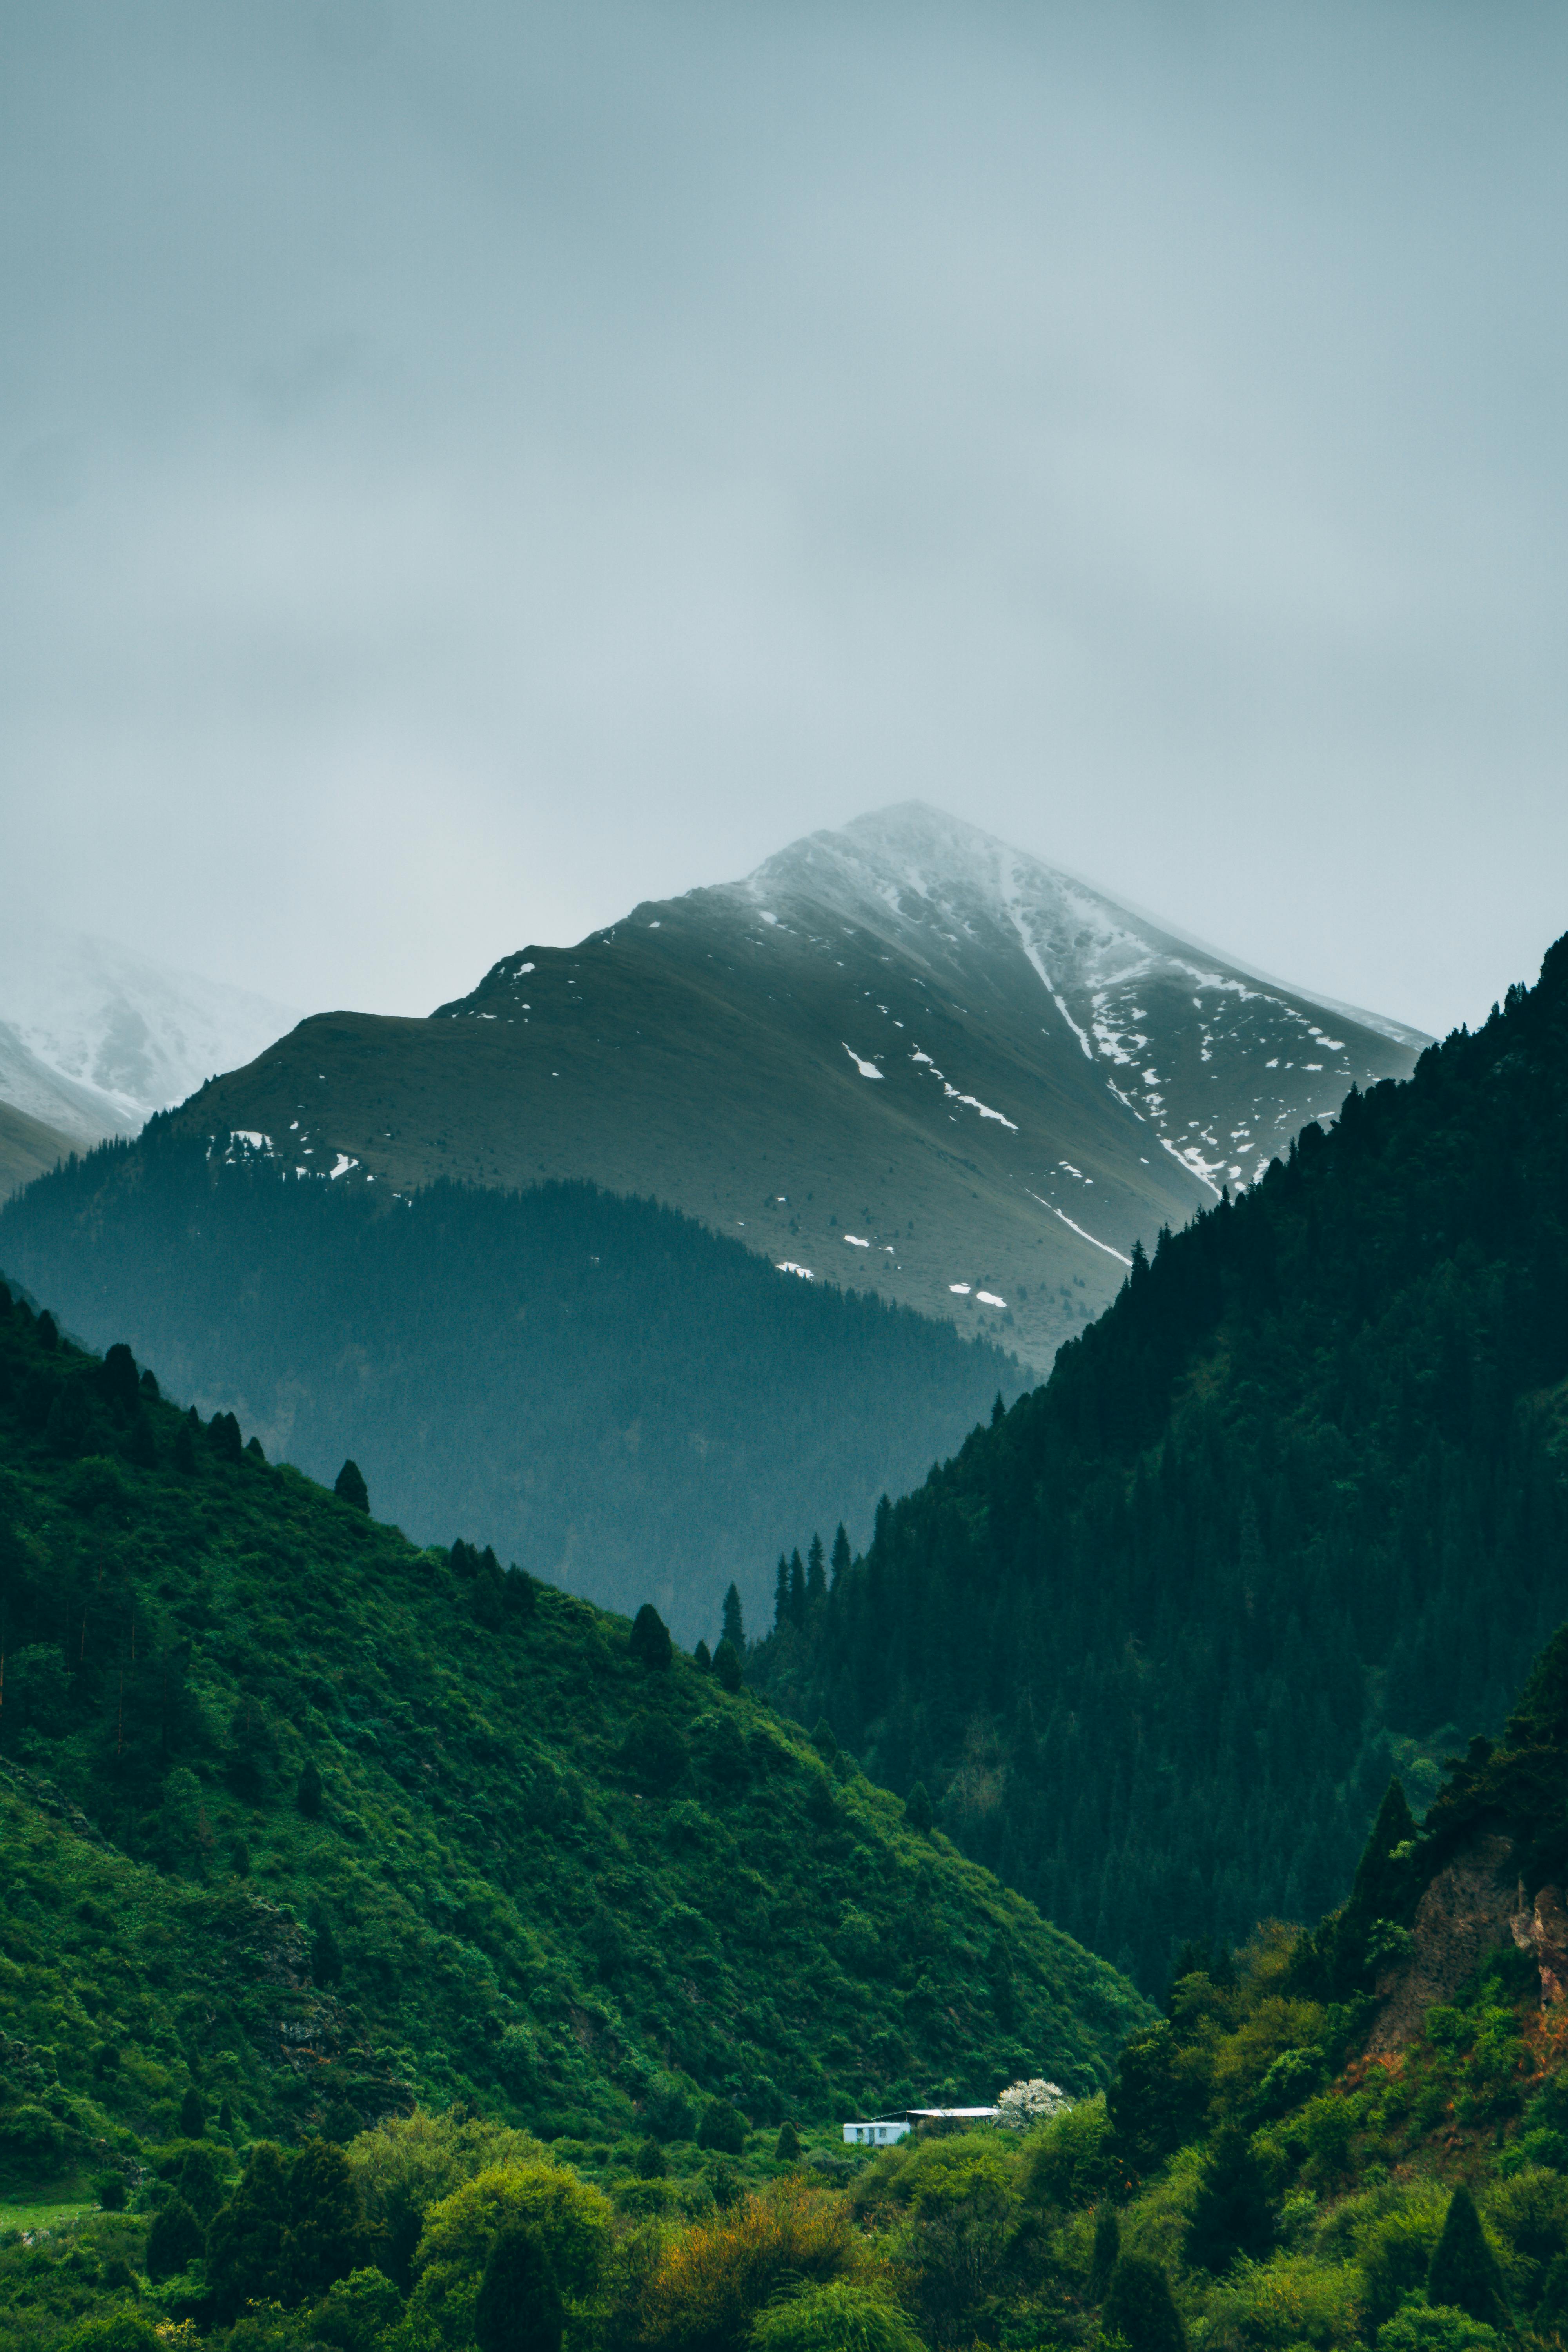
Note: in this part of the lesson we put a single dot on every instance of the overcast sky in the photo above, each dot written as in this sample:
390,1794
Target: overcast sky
466,467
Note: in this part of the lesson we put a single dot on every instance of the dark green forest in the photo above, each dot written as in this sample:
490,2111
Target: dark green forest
1292,1510
313,1823
624,1402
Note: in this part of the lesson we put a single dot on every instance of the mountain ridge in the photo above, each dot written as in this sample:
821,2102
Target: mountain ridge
941,1070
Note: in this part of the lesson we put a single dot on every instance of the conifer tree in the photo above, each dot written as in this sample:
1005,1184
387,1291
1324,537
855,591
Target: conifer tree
918,1809
650,1641
840,1555
518,2308
734,1627
192,2114
349,1486
142,1447
1231,2214
1107,2250
786,2147
326,1960
326,2223
223,1436
723,2128
174,2242
1138,2308
727,1666
186,1444
815,1573
704,1657
1464,2273
796,1587
781,1595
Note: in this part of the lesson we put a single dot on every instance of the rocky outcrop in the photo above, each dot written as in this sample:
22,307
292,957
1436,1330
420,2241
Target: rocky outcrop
1543,1927
1467,1912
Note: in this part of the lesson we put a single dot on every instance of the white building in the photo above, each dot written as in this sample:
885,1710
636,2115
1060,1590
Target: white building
883,2130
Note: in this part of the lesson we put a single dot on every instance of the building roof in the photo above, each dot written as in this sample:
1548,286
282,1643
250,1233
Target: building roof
955,2115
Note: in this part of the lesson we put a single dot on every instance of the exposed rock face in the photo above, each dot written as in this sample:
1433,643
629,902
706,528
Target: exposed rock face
1545,1925
1468,1911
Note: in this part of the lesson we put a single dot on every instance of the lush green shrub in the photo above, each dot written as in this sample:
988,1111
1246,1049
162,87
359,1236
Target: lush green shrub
1420,2329
1395,2254
410,2163
1073,2161
1290,2300
357,2312
723,2128
842,2316
112,2331
707,2284
566,2219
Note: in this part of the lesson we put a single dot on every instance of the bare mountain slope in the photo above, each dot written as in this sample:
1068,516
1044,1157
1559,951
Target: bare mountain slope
28,1147
901,1056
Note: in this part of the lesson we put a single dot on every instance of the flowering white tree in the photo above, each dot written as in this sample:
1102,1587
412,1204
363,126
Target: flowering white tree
1034,2102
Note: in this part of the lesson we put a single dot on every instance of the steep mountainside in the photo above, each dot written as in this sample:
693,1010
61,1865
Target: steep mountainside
902,1057
1295,1504
628,1404
315,1821
27,1148
94,1038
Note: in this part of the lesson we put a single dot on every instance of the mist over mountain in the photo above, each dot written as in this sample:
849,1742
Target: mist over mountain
901,1056
94,1037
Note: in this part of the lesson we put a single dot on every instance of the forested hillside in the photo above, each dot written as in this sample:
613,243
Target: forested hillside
626,1405
1293,1508
1355,2136
314,1822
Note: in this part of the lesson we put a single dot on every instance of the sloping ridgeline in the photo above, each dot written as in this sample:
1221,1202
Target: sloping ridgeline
1294,1505
625,1403
317,1821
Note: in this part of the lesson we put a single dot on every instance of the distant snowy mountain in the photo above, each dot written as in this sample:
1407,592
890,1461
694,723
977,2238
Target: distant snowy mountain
901,1056
94,1038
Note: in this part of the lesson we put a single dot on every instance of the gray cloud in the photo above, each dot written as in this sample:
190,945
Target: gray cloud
462,469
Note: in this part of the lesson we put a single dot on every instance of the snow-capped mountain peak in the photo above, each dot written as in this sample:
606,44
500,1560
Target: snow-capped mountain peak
94,1037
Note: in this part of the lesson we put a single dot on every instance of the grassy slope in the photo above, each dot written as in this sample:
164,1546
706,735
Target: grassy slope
28,1148
552,1875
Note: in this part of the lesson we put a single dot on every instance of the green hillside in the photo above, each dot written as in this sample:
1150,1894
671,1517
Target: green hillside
1293,1510
318,1823
1353,2140
626,1405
